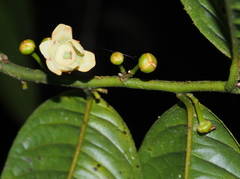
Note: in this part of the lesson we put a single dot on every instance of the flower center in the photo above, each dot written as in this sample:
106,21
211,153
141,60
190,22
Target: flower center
65,55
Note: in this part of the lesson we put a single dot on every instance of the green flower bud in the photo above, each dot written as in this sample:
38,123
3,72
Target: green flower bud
46,39
117,58
204,127
27,47
147,63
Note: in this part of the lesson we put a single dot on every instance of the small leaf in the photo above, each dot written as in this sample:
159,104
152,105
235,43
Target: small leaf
45,145
213,155
212,22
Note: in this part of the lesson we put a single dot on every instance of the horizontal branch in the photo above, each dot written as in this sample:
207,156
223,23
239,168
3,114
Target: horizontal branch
38,76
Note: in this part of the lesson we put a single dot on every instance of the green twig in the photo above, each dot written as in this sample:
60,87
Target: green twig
233,75
190,113
38,76
81,134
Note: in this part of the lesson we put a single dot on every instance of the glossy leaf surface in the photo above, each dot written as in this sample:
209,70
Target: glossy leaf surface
213,155
233,14
45,146
210,19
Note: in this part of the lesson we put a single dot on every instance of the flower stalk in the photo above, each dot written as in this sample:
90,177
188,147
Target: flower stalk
204,126
134,70
39,60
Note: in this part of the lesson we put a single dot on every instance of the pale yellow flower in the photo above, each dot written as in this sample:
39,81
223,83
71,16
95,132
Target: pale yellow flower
64,54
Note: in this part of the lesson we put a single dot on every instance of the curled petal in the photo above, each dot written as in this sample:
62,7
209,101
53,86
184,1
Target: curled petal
62,33
74,66
87,62
52,66
77,46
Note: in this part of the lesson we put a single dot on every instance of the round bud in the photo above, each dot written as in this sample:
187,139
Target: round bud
204,127
147,63
27,47
46,39
117,58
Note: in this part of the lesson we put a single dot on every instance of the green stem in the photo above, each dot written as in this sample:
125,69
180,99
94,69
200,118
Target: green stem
81,134
197,107
122,69
190,113
134,70
39,60
233,75
204,126
38,76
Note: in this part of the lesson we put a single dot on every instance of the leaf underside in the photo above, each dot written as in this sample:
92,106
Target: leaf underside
213,155
45,145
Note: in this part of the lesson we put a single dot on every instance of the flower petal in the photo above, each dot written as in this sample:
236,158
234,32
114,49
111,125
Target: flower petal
87,62
52,66
62,33
69,68
77,46
65,54
44,48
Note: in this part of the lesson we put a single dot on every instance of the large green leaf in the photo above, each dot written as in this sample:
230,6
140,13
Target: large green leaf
219,22
45,145
210,19
213,155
